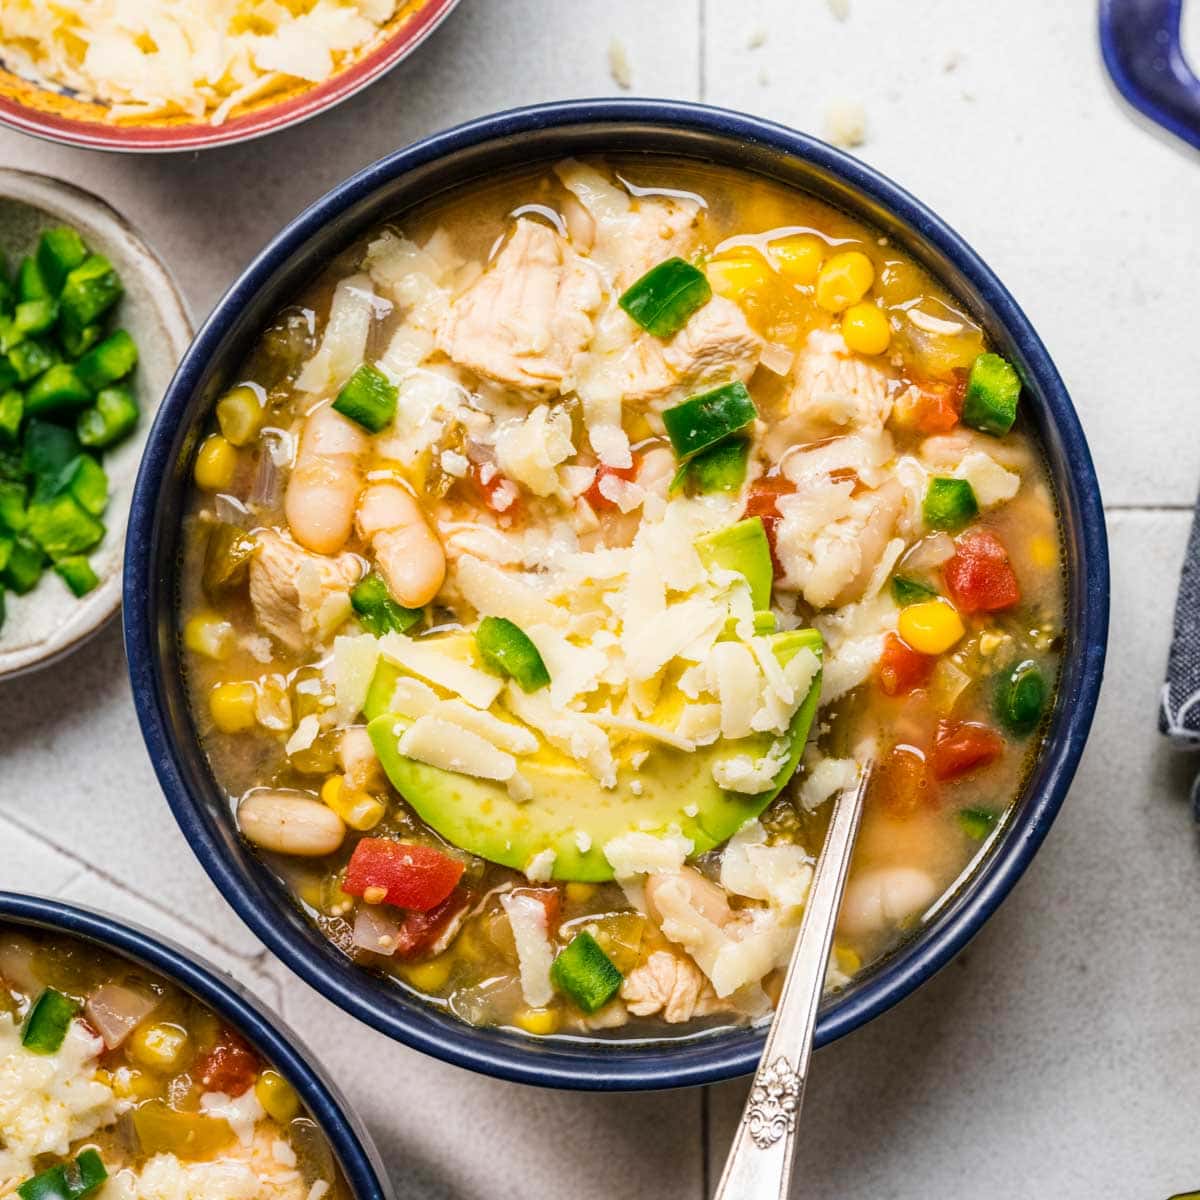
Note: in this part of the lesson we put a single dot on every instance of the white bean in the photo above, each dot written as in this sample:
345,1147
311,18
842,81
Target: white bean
883,896
290,823
407,551
325,481
359,760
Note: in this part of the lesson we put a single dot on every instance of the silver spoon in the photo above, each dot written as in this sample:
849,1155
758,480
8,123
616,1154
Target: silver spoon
759,1166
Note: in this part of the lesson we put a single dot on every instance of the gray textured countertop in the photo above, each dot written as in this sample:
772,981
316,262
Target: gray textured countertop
1058,1055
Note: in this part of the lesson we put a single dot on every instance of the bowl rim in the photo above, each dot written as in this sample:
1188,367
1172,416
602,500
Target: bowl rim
258,122
704,1058
281,1046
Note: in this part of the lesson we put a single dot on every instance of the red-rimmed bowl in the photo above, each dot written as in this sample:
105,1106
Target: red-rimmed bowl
61,117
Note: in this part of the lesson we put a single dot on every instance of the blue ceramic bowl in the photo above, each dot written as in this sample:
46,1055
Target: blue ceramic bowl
350,1142
388,187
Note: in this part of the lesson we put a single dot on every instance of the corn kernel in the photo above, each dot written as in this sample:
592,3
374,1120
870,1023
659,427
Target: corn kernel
208,634
798,258
865,328
430,976
931,627
844,280
580,893
232,706
277,1096
738,275
848,962
215,464
1043,551
539,1021
359,810
161,1046
128,1083
240,415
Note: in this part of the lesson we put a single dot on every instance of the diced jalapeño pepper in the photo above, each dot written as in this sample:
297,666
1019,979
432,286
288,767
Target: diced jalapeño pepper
949,503
57,390
24,566
34,316
906,591
12,409
111,360
113,415
506,648
369,398
704,420
12,506
67,1181
30,359
61,526
721,468
31,285
84,478
977,823
90,290
47,449
585,973
993,389
666,296
48,1022
60,251
76,572
78,341
377,612
1021,698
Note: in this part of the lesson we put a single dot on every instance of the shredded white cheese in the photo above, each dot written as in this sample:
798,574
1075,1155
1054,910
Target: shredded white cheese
201,58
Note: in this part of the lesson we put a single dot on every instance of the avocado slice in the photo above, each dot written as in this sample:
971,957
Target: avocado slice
479,815
742,547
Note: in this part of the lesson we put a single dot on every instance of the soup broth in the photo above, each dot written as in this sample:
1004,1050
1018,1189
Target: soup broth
569,543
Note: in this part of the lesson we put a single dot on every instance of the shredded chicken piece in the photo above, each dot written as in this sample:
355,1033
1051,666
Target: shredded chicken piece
670,984
716,345
299,598
526,318
836,390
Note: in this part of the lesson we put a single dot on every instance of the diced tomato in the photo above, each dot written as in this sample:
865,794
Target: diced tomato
763,501
595,495
498,492
962,746
979,577
902,785
419,932
410,875
230,1066
901,668
932,407
551,901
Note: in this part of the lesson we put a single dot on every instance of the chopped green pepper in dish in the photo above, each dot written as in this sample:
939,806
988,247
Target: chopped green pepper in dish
949,503
64,385
507,649
1021,697
67,1181
48,1022
377,612
993,389
585,973
663,299
906,591
369,398
709,418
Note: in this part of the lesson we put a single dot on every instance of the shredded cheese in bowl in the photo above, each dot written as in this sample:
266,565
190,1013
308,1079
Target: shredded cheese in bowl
146,59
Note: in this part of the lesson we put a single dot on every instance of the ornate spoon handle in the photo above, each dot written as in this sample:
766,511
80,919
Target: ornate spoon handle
759,1166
